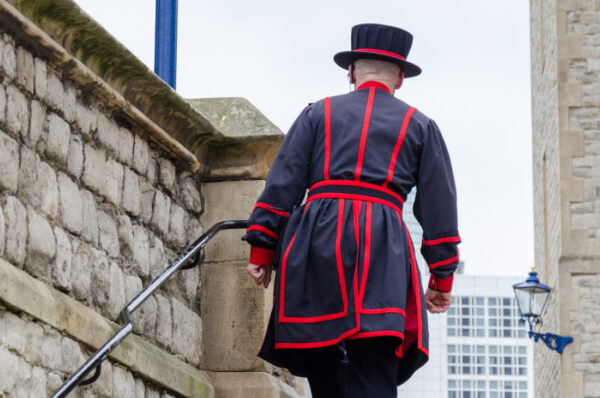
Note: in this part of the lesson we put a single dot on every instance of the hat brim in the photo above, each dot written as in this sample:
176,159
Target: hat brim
345,58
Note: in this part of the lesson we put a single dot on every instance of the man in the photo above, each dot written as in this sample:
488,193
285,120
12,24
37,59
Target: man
349,312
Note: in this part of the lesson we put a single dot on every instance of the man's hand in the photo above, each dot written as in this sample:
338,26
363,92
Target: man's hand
437,302
260,274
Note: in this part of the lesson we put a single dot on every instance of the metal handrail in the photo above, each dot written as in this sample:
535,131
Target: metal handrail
100,355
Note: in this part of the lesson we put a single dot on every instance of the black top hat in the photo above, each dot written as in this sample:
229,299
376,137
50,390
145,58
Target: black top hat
386,43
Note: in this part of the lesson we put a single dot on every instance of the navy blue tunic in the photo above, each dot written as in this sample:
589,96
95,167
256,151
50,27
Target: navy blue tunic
347,268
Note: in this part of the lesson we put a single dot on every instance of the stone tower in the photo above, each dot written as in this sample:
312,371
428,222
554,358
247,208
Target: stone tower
565,61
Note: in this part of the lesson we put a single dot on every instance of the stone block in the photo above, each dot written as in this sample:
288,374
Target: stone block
144,319
37,183
9,61
69,104
53,382
164,334
2,104
229,200
150,393
108,285
125,149
161,212
194,230
152,168
250,384
72,357
108,133
94,169
16,230
35,386
2,232
187,332
59,135
25,75
167,174
131,192
177,223
140,155
81,271
11,332
22,385
17,111
140,389
234,320
75,156
50,354
71,208
189,284
114,182
102,387
89,217
146,200
158,259
61,271
191,196
140,251
108,237
41,245
9,369
123,383
41,78
125,229
85,118
34,338
38,127
9,163
55,91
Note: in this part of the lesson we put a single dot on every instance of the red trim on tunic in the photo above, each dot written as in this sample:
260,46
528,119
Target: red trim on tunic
375,84
361,184
318,343
363,134
355,197
282,287
440,284
327,137
445,262
261,256
362,335
271,209
376,311
367,255
399,141
433,242
262,229
381,52
356,206
342,280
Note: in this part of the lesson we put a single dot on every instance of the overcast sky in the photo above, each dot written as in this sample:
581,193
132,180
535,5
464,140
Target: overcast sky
475,84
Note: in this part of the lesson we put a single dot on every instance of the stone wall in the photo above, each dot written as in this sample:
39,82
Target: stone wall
565,38
100,188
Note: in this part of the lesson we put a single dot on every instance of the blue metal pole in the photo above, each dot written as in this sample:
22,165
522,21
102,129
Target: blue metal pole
165,41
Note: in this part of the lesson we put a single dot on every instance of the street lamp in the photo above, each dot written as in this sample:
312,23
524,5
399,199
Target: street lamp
532,297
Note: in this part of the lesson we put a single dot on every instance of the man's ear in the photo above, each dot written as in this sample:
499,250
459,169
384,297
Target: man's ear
351,74
400,80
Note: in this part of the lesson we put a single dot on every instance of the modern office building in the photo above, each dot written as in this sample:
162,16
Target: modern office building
478,349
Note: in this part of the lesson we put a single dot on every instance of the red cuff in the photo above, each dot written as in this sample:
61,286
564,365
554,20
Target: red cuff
260,256
441,285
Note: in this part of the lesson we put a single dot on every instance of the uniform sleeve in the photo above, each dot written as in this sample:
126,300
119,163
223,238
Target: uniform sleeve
435,209
285,188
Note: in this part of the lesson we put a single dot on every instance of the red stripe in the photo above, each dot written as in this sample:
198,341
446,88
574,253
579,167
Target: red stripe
262,229
401,135
318,343
271,209
361,184
382,52
376,334
356,205
355,197
282,287
363,134
367,256
375,311
375,84
338,254
327,136
445,262
451,239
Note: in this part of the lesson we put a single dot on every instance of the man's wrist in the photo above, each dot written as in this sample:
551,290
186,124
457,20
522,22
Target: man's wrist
261,256
441,284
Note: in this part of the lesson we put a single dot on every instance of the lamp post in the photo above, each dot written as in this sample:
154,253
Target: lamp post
532,298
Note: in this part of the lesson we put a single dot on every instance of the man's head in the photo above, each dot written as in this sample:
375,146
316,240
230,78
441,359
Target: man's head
387,73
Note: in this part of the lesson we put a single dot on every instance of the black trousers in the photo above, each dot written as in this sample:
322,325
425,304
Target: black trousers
361,368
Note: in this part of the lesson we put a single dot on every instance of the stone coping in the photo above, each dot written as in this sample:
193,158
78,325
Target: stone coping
76,44
25,293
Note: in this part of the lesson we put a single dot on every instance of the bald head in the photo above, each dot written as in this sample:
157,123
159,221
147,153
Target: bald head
383,72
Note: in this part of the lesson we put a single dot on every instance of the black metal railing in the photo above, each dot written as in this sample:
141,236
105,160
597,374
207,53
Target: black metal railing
182,262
